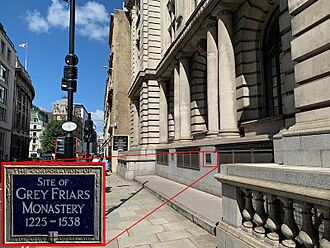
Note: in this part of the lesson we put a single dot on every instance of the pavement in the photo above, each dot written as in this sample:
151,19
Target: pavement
129,202
164,228
202,208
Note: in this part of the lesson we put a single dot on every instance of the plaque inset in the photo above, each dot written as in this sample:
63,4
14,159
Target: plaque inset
53,203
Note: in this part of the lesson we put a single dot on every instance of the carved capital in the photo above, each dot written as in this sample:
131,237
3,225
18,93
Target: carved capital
212,23
224,11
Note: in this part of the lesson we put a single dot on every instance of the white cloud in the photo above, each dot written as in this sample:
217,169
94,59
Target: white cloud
92,19
58,14
36,23
98,119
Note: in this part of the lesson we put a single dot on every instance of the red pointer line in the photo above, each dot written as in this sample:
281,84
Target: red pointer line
164,203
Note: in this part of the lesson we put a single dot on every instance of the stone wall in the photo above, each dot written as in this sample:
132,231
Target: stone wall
121,72
307,142
310,51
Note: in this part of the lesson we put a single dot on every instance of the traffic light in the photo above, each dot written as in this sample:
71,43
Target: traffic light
69,84
88,129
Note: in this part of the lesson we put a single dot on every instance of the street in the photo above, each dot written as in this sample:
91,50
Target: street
128,202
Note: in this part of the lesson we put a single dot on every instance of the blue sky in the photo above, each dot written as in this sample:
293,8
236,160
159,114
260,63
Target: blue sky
44,25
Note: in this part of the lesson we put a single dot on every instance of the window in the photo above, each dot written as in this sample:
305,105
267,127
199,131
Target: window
8,54
35,119
34,148
34,134
34,126
3,73
34,140
3,45
162,157
3,95
171,10
271,51
188,158
2,114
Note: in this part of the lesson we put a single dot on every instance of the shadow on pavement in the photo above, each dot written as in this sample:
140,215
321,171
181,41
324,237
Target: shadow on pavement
124,200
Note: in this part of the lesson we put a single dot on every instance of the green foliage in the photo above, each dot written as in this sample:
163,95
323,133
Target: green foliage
49,135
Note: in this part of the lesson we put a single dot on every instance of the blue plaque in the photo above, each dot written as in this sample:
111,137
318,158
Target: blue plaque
54,204
40,208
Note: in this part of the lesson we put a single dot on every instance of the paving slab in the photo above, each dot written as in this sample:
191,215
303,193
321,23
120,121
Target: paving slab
200,207
165,228
183,243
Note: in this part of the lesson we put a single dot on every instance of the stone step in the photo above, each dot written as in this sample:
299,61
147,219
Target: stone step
201,208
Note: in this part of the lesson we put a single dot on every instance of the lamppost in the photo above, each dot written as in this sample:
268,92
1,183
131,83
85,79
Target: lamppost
69,81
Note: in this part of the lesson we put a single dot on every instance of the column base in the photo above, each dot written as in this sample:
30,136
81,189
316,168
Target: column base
229,133
212,134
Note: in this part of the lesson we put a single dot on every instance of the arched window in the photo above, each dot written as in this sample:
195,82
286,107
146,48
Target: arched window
271,52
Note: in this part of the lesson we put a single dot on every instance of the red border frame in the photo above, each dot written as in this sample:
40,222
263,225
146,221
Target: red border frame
52,163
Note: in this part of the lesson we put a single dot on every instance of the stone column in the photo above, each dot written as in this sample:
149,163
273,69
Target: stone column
185,109
163,117
227,77
136,120
177,118
212,81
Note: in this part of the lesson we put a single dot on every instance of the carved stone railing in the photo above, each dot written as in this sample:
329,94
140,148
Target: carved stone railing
277,213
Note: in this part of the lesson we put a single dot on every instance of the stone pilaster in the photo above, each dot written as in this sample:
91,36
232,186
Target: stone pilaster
227,84
177,118
136,121
185,109
163,112
212,81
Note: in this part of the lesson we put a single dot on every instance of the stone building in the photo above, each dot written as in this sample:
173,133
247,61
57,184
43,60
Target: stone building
38,122
249,80
80,110
116,103
7,88
23,96
60,112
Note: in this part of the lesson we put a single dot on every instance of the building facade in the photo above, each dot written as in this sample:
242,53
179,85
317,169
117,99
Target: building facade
60,112
80,110
23,96
38,122
248,80
7,88
116,103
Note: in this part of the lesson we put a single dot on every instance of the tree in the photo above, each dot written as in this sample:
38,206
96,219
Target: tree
49,135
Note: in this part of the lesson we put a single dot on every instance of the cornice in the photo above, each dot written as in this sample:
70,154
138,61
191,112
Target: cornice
192,25
147,74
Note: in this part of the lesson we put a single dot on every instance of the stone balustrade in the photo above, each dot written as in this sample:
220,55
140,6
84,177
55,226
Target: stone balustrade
278,214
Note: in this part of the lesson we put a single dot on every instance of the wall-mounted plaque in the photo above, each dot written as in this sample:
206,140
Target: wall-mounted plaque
120,143
53,203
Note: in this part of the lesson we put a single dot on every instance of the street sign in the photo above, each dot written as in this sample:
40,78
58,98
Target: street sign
54,203
120,143
69,126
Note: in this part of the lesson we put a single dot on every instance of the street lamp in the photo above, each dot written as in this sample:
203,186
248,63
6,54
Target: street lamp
69,81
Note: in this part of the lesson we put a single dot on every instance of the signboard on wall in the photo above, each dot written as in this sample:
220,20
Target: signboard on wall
120,143
53,203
